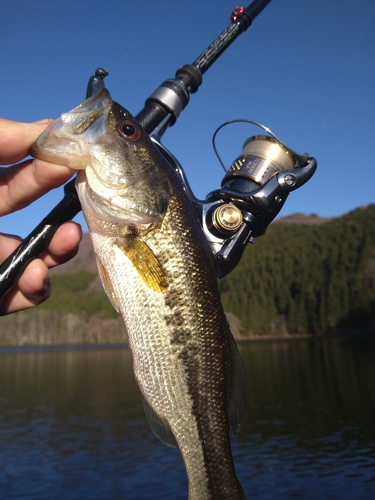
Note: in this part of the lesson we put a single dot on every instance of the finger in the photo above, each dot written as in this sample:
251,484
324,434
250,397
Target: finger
16,139
64,244
32,288
23,183
34,283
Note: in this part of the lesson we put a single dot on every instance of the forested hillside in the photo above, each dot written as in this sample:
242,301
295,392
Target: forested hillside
296,279
300,279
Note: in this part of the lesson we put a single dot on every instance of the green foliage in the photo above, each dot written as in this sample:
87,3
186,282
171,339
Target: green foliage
71,294
318,278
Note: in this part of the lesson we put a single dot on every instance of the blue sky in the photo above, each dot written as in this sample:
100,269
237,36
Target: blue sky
305,69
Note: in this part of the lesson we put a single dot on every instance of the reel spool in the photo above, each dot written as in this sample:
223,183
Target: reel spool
261,157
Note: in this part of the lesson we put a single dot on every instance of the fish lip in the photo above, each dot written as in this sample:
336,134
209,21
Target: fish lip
65,140
84,118
99,100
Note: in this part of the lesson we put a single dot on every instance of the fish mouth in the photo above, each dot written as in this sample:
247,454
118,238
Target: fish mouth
66,140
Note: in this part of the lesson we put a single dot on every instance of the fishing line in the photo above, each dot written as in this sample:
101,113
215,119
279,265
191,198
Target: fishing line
149,34
344,77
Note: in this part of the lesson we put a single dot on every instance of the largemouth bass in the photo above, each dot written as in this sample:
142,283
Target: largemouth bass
156,268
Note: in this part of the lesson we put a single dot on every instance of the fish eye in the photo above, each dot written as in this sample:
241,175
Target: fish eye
130,130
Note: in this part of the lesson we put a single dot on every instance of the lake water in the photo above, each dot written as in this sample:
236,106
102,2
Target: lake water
72,425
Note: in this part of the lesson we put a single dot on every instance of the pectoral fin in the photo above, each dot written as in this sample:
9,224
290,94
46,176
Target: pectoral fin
145,262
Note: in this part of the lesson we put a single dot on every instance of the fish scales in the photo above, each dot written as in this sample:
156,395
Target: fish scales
184,356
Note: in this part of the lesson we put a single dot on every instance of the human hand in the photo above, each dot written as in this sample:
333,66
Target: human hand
21,184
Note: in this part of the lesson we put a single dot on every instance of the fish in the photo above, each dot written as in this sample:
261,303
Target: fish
157,270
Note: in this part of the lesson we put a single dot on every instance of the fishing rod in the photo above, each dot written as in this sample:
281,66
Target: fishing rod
174,94
231,216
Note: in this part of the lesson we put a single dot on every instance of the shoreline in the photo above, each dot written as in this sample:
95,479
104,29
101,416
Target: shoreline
11,348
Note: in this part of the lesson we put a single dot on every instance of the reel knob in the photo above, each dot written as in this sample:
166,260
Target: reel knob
227,218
